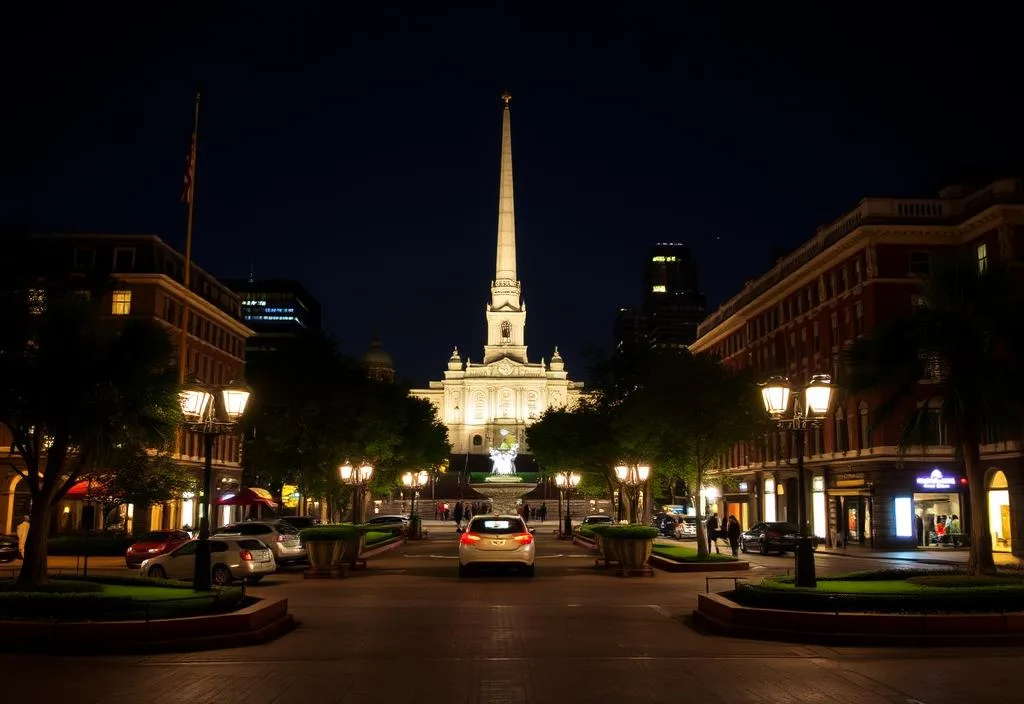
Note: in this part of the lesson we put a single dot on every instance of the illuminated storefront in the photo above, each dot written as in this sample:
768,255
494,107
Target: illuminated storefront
937,511
999,523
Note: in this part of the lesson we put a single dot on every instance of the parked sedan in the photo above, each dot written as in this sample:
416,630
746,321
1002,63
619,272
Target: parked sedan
686,529
666,523
282,538
154,543
8,548
231,558
768,537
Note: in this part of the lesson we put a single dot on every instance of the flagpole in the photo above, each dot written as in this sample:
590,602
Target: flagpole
183,351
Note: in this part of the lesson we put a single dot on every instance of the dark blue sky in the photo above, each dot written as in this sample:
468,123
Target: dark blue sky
358,150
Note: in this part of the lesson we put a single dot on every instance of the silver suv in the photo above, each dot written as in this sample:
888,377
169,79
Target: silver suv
280,537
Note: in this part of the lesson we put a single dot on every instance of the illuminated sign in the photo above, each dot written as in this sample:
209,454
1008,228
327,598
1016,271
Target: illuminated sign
743,486
818,483
936,480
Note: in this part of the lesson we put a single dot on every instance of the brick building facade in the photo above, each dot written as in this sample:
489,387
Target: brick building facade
795,320
148,277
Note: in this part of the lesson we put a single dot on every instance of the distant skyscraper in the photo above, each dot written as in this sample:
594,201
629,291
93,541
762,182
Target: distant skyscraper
278,310
673,305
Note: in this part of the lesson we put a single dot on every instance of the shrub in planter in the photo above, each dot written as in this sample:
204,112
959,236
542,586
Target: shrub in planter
630,544
328,547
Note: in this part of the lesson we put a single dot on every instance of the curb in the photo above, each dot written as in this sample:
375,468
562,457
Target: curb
670,565
925,561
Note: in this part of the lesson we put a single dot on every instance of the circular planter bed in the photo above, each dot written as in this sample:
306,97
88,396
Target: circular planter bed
679,558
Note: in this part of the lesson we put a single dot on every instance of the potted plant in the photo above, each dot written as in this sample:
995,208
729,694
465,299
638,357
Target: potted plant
630,545
602,546
330,547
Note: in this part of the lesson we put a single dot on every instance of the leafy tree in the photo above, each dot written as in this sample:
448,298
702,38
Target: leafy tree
139,477
75,386
969,339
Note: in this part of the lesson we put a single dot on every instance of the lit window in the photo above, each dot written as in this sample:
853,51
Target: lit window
660,288
122,303
657,259
982,258
36,300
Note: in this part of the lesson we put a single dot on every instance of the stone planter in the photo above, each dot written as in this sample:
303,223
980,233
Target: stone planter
606,549
352,549
324,556
631,554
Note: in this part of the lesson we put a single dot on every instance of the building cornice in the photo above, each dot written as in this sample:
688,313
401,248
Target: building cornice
195,301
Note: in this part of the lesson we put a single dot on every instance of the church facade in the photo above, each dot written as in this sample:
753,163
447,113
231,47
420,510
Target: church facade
504,391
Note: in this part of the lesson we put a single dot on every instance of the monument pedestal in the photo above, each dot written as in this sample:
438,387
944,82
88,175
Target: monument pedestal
503,492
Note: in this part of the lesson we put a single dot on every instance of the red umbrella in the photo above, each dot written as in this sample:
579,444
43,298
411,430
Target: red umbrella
251,496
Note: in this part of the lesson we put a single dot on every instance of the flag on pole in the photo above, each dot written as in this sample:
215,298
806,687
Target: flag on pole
190,172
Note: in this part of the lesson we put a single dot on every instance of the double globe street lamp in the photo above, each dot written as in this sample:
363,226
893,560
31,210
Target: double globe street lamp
810,406
357,478
632,476
415,481
566,482
210,411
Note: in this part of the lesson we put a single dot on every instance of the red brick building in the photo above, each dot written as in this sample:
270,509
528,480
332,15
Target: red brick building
149,276
795,320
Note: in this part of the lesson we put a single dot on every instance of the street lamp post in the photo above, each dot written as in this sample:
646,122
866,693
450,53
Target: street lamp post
205,415
415,481
810,407
357,478
631,477
566,482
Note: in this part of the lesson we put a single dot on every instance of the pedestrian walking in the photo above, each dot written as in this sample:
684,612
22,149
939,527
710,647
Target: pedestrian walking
458,516
22,536
711,526
543,512
734,535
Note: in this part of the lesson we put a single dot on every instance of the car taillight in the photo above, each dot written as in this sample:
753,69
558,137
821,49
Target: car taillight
159,548
524,538
246,555
469,538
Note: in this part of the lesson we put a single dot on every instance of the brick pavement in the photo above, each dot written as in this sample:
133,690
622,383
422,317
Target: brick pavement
408,628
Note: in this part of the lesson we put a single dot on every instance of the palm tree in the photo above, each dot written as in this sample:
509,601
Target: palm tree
966,338
74,387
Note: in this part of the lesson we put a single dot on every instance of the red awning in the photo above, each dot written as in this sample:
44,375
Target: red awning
247,497
78,491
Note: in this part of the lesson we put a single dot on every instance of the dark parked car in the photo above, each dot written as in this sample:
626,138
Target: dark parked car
8,548
666,523
300,522
774,536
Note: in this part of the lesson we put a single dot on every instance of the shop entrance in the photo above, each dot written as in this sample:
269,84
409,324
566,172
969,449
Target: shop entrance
938,511
999,512
740,509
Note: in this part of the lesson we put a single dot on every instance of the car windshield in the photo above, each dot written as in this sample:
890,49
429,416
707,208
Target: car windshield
783,527
491,526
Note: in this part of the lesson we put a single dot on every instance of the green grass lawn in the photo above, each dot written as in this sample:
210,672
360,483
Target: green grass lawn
147,593
377,536
685,554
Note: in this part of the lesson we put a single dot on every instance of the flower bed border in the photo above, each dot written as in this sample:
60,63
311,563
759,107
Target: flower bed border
719,613
258,623
670,565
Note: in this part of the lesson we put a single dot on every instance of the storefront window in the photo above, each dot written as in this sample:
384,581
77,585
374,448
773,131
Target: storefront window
769,500
818,507
940,518
999,512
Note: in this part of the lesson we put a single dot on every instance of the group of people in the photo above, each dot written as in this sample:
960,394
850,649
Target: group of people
942,530
729,530
532,513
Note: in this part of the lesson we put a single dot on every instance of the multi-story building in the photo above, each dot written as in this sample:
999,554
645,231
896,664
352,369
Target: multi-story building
277,310
148,277
851,276
673,305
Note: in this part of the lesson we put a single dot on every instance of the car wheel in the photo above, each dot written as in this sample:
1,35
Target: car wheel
256,580
762,547
530,571
463,571
743,546
221,576
157,572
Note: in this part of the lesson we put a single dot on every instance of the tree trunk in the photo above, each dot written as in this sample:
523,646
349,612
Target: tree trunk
979,560
33,569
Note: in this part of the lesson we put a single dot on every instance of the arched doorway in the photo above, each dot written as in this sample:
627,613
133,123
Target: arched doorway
19,504
999,511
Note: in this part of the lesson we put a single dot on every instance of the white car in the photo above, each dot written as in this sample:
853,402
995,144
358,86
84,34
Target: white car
231,558
497,541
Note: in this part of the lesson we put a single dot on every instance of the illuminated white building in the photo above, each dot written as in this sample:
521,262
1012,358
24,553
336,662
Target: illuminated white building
504,391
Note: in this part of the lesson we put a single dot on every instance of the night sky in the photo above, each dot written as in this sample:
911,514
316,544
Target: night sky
358,150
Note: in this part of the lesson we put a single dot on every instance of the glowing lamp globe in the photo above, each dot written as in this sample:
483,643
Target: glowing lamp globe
818,396
775,396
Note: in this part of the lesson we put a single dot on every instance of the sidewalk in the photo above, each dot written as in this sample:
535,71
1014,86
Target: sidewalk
956,557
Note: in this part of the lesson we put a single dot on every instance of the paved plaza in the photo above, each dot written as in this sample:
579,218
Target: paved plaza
408,629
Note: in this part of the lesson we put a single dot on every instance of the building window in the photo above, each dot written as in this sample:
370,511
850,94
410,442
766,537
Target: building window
816,337
857,275
122,303
803,343
506,330
982,258
917,302
858,318
85,257
477,441
920,263
842,443
124,258
934,428
835,329
36,301
658,288
845,279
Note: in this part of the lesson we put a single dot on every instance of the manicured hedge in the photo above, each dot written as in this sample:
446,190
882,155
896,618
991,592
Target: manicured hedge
632,531
339,531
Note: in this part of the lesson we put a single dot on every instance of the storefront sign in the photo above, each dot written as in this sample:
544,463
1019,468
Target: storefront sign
936,481
743,487
818,483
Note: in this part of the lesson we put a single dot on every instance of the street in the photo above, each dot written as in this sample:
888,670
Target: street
408,628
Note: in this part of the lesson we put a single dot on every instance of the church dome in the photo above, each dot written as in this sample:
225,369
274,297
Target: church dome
378,362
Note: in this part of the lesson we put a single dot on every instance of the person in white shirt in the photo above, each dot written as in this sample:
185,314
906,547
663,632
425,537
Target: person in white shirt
22,536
